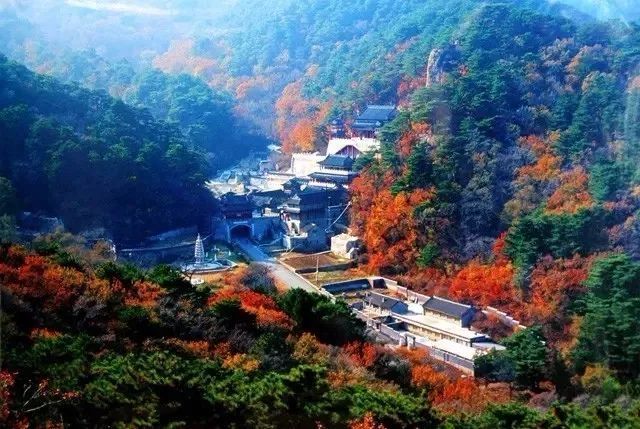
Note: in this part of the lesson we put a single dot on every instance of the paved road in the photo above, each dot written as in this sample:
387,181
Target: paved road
279,271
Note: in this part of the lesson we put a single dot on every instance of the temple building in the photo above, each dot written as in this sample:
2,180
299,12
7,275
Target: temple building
310,205
334,170
353,147
335,167
235,207
369,122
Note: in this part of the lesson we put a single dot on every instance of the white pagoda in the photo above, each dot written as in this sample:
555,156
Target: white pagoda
199,251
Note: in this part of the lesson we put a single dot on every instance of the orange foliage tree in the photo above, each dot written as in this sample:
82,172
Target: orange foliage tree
364,190
366,422
298,119
262,306
484,284
36,278
554,284
417,132
144,294
363,354
391,232
425,376
572,194
530,178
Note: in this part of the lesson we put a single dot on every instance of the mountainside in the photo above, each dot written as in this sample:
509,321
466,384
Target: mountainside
508,181
311,55
94,161
90,343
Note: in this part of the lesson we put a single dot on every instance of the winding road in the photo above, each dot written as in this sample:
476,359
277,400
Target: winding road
279,271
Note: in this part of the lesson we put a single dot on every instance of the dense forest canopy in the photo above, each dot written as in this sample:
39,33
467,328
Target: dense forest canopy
95,161
368,51
509,178
91,343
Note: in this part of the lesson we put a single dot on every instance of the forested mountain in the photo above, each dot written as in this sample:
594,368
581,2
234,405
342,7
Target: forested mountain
307,55
95,161
621,10
515,179
508,179
112,55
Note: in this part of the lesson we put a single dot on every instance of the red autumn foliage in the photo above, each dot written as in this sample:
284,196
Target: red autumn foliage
363,354
454,395
418,132
465,396
498,248
364,190
7,381
532,179
35,278
572,194
262,306
553,283
366,422
143,294
391,232
430,281
407,86
426,376
484,285
298,118
547,164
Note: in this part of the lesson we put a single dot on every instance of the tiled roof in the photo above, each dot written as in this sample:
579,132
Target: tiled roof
377,113
231,201
446,307
333,178
386,302
337,161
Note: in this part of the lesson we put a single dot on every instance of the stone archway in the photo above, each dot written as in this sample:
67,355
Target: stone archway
240,231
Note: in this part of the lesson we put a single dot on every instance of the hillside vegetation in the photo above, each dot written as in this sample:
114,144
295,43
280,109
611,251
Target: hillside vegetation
90,343
93,160
508,179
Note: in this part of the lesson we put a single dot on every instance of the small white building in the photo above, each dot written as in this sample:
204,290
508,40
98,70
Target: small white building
305,164
345,245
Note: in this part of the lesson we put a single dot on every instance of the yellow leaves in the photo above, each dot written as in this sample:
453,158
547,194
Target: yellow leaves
242,362
594,377
309,350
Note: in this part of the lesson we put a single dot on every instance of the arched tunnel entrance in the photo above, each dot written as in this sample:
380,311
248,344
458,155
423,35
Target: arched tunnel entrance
239,232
